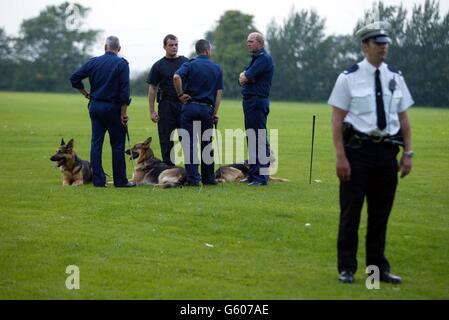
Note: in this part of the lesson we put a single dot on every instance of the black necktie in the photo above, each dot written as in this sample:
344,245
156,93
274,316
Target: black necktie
381,121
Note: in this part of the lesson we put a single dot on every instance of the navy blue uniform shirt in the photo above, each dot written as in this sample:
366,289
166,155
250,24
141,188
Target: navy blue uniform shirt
108,76
201,79
162,72
259,73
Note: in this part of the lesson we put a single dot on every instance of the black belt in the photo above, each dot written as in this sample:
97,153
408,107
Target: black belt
253,97
202,103
360,138
356,139
102,100
116,103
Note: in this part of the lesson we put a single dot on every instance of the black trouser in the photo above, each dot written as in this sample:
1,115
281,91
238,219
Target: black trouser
374,171
169,111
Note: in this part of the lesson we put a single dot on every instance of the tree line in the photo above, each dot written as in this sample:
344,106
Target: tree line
307,61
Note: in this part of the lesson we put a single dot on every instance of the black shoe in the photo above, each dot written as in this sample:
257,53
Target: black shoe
346,277
256,184
190,184
211,183
389,277
128,185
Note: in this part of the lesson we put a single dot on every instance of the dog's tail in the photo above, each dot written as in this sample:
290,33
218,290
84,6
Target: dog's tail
274,179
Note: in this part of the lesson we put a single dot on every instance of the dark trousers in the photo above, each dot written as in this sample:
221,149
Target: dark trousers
194,112
104,117
169,111
256,112
374,171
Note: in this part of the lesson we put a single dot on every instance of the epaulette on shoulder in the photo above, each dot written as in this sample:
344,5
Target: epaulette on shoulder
352,69
394,70
125,60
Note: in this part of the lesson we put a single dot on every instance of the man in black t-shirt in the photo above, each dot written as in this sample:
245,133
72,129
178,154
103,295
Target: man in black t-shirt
160,80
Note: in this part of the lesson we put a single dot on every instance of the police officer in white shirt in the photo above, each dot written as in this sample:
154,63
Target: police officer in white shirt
369,123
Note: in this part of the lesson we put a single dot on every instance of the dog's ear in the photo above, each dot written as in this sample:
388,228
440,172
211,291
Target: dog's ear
70,144
148,141
62,142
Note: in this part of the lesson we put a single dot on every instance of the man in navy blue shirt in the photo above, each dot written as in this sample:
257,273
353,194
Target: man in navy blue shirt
202,81
109,99
160,80
256,84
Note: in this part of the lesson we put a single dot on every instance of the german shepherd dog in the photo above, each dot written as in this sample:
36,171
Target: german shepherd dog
75,171
151,170
237,172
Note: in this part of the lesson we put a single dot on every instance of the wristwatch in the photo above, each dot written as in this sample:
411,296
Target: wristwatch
408,154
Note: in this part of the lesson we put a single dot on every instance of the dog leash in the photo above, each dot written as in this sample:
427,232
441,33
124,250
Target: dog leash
130,150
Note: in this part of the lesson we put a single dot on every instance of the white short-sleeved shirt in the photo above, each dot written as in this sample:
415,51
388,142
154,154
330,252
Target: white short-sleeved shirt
354,91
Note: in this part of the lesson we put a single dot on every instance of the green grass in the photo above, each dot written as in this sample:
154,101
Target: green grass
148,243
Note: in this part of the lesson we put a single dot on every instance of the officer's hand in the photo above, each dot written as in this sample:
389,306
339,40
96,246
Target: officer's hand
184,98
243,79
154,117
124,118
343,169
405,166
215,119
85,93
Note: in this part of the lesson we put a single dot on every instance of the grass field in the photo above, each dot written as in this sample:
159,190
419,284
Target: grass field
230,242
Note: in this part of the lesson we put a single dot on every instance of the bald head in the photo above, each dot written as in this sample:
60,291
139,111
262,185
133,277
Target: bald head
255,42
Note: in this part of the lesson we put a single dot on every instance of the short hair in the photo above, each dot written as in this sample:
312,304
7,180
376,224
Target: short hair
113,43
201,46
169,37
259,37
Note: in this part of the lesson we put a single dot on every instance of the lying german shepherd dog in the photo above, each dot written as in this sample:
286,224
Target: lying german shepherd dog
237,172
152,171
75,171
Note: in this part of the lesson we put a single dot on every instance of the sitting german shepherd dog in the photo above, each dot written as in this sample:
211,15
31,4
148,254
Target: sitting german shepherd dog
152,171
75,171
237,172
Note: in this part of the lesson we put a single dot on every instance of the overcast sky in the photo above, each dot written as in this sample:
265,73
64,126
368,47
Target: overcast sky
141,25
